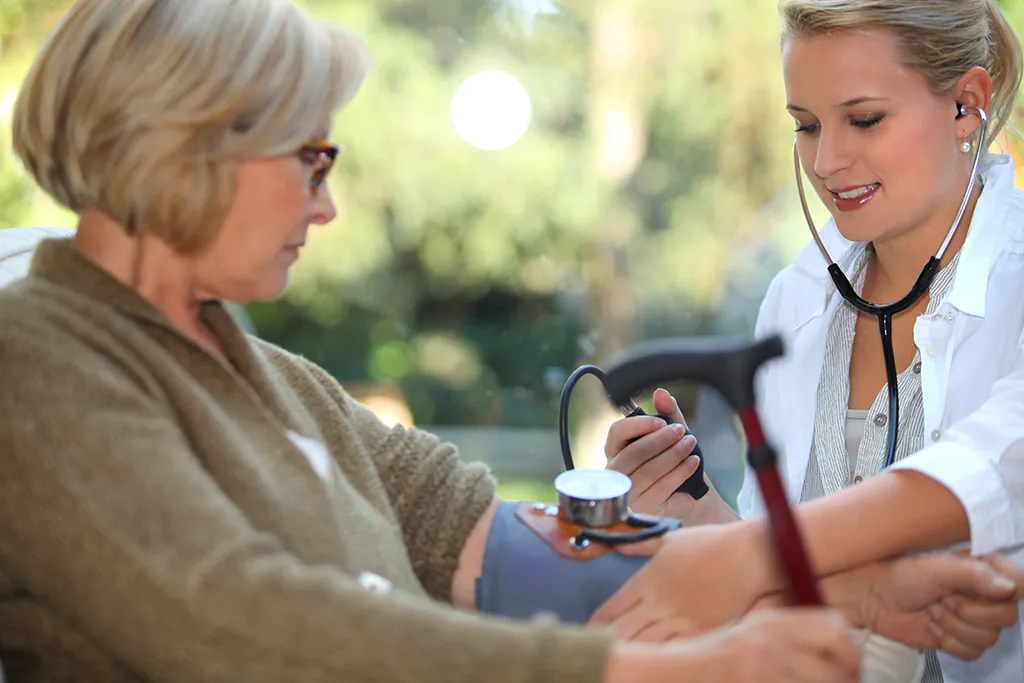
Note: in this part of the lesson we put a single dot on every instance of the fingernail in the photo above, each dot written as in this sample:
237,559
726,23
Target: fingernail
690,441
949,603
679,430
935,629
1004,584
935,612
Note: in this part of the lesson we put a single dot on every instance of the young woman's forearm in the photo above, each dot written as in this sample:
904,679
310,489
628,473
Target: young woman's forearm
893,514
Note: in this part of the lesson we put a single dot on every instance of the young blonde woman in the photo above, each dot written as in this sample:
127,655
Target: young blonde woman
891,101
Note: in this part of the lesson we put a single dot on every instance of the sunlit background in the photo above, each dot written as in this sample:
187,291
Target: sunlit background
527,186
491,110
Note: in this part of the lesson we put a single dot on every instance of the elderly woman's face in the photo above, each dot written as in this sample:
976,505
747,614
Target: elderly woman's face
265,228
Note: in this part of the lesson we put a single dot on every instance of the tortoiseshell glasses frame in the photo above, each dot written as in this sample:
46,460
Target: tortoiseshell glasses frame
326,154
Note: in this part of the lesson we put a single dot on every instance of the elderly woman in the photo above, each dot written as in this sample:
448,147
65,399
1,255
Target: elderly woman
182,502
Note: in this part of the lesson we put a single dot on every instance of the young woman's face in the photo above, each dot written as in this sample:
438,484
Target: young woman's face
880,148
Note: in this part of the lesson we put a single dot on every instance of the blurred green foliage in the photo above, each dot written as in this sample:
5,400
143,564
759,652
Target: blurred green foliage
651,195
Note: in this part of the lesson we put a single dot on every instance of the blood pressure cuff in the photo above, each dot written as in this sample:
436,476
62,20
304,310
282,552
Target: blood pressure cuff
523,575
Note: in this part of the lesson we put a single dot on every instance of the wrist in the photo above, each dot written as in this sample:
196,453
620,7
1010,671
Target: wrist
763,574
626,662
630,662
845,594
711,509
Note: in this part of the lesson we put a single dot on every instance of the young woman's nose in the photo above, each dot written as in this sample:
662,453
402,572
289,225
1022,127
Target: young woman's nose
833,153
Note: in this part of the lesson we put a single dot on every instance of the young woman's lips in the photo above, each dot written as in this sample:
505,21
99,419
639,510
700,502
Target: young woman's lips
855,197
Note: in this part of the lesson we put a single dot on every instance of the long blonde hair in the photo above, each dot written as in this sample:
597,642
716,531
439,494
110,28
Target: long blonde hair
141,108
941,39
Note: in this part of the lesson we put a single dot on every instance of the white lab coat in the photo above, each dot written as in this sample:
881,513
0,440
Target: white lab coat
972,378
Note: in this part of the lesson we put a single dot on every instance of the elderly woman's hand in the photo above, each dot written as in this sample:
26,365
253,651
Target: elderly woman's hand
784,646
787,646
697,579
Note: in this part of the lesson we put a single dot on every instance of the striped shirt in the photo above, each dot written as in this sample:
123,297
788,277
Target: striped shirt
829,469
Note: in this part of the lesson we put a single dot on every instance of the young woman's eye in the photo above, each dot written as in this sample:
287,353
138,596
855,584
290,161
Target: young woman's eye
807,128
308,157
868,122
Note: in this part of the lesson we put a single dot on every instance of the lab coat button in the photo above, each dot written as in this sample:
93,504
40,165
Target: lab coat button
931,353
936,435
950,317
881,419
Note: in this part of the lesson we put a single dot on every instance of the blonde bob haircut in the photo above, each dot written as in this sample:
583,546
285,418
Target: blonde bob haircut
941,39
141,109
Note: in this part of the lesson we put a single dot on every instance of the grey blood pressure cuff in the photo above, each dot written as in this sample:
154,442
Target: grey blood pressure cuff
530,566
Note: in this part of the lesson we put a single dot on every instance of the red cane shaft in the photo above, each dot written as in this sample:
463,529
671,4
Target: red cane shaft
789,545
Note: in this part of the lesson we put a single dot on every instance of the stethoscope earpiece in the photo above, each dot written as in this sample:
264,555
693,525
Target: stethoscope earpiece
963,110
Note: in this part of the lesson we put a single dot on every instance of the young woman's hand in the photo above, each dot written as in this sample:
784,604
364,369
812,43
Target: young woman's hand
946,601
943,601
658,458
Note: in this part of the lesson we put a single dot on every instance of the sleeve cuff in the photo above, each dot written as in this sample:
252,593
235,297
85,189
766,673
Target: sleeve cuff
979,488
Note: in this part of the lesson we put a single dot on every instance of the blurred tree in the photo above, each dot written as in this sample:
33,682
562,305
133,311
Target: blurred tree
643,150
18,15
653,182
23,24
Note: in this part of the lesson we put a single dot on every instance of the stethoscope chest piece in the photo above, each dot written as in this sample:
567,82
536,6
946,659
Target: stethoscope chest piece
593,499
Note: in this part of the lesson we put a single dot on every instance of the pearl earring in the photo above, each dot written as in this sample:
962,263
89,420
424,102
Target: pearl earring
966,147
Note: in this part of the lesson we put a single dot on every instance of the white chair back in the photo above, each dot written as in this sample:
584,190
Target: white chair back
16,247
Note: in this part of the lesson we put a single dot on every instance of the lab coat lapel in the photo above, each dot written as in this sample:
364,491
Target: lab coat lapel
814,304
807,354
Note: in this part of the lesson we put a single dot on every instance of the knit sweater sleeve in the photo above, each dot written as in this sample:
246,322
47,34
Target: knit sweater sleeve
437,497
107,516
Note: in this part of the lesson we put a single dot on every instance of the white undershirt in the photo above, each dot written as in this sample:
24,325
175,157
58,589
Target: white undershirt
855,420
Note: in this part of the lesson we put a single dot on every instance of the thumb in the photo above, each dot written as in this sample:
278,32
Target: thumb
972,576
666,405
1008,573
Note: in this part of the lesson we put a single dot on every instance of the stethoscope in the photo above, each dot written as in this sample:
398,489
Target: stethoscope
885,312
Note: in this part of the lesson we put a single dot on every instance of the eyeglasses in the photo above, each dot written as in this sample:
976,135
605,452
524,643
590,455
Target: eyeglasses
324,154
